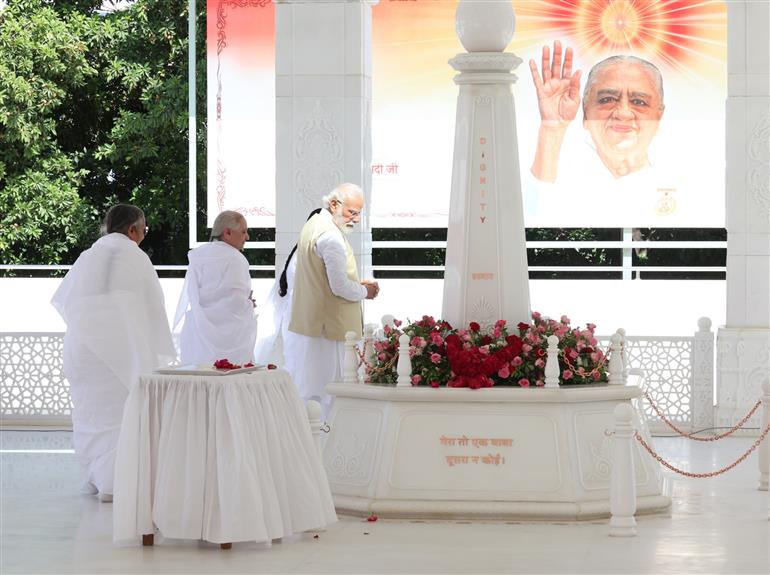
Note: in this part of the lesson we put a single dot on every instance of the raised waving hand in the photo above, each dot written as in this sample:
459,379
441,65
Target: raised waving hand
558,99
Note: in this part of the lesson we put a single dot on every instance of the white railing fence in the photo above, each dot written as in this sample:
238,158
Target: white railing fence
678,375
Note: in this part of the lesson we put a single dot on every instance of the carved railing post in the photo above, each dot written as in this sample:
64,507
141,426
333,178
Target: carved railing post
622,478
404,366
552,363
314,417
616,362
764,451
369,355
350,372
702,390
623,353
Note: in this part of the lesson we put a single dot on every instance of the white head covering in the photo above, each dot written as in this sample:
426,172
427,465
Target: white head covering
112,303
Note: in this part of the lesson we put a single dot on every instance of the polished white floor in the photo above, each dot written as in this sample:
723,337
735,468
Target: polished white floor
716,525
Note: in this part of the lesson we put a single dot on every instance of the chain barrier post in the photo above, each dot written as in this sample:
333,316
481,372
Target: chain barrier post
623,476
404,365
350,371
764,452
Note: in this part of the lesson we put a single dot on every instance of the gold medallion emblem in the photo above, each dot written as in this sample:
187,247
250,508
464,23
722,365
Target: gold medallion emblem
666,204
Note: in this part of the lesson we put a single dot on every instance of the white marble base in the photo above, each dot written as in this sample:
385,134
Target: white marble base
506,453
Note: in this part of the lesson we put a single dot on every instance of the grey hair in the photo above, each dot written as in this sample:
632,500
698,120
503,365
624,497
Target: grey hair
651,69
120,218
342,192
225,220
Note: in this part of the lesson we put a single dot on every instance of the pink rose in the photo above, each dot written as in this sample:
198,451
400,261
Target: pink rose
540,383
523,382
539,362
594,357
416,379
526,348
435,338
418,342
564,319
536,315
572,353
516,361
397,322
435,358
566,374
504,372
484,349
597,376
381,356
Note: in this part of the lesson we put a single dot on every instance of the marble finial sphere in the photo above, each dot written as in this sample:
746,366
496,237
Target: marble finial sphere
485,25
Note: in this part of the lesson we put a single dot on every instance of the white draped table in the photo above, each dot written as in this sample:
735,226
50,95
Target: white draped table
219,458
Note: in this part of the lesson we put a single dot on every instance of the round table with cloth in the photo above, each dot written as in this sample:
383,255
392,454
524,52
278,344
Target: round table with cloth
219,458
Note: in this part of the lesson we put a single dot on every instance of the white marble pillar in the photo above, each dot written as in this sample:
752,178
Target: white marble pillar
323,65
743,345
486,275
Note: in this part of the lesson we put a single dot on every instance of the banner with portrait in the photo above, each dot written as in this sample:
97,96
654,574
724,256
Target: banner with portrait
614,168
643,147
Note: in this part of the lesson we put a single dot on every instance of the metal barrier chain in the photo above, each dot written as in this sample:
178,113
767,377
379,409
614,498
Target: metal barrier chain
735,428
660,460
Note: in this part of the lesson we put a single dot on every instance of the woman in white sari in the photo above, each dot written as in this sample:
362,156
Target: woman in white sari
274,318
112,303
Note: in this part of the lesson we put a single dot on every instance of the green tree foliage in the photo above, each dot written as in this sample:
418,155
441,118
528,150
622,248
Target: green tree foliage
42,60
93,110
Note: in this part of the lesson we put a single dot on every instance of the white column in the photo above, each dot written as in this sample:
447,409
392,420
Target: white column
744,343
486,275
323,68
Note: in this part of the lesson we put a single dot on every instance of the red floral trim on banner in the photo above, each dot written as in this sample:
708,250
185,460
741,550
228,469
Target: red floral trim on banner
221,45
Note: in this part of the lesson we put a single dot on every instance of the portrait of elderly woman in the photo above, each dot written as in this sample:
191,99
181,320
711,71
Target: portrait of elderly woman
622,104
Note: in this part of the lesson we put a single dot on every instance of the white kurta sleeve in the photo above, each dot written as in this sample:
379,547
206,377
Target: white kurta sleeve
331,248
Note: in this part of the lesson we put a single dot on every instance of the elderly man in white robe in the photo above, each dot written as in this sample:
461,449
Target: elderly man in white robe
112,303
327,296
216,308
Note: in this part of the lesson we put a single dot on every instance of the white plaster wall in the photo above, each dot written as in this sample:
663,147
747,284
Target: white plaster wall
641,307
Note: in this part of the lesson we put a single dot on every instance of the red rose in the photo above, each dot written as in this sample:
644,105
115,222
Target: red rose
540,352
272,366
486,340
522,326
474,326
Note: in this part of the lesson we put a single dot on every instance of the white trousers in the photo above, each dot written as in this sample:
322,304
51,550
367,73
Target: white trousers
313,363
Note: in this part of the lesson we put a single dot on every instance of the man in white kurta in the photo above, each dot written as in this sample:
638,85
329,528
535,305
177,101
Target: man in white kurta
216,309
117,329
327,296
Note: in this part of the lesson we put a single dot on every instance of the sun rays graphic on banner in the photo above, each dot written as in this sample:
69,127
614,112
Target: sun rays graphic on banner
686,36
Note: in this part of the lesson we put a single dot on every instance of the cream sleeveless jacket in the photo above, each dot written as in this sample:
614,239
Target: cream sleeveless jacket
316,311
